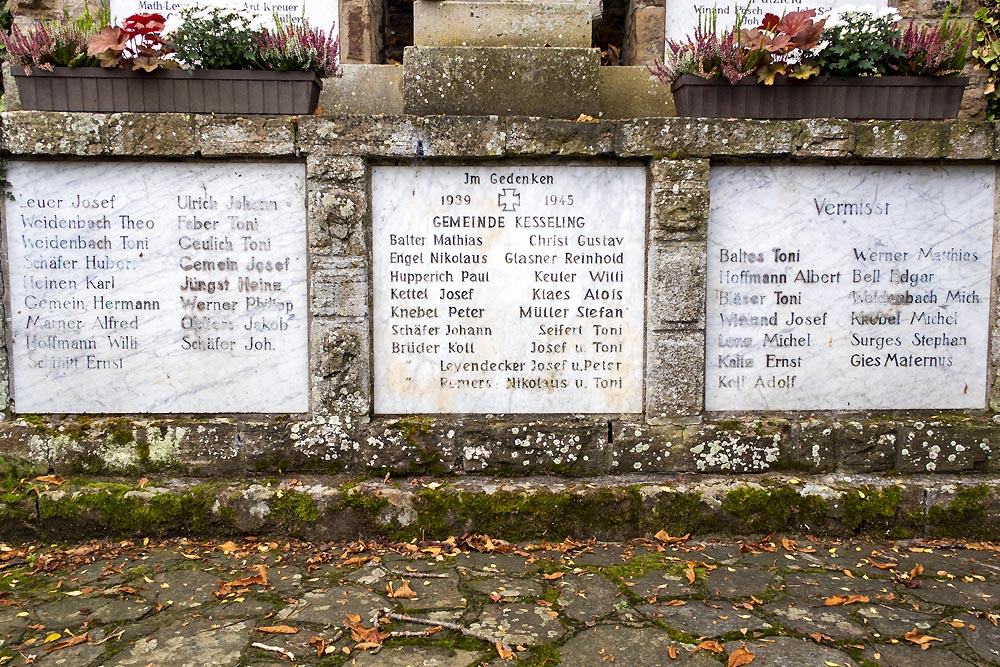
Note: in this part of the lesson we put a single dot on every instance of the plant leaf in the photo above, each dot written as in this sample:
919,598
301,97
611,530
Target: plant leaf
740,657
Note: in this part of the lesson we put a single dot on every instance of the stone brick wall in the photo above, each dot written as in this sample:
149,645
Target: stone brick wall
342,434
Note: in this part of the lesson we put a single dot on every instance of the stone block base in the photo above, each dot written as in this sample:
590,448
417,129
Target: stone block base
545,82
364,89
631,92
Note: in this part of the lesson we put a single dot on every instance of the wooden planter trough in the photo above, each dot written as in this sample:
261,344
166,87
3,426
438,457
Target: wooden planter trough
101,90
853,98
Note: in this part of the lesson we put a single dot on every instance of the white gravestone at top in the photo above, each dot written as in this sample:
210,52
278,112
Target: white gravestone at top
508,289
851,288
682,16
323,14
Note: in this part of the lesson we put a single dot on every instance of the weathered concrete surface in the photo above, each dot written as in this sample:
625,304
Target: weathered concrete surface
519,23
525,81
631,92
363,89
575,601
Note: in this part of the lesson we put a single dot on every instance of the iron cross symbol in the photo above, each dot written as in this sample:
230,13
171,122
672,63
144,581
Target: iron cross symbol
509,200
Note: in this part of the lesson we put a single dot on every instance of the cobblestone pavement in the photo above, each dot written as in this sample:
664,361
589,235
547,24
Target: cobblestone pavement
476,601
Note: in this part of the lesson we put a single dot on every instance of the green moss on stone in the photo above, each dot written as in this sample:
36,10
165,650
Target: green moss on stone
679,513
119,510
516,516
293,510
770,510
871,510
964,516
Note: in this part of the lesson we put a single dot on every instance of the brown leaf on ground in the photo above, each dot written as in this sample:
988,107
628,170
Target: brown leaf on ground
923,641
675,603
553,576
365,637
259,579
955,624
665,537
66,643
229,547
672,652
740,657
278,630
917,570
881,566
709,645
319,644
503,651
818,637
403,591
836,600
51,479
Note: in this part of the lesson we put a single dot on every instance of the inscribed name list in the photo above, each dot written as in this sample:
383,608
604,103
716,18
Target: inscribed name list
684,16
848,287
157,288
323,14
508,289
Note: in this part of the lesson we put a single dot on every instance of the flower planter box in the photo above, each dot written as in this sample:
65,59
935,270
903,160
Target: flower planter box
193,91
853,98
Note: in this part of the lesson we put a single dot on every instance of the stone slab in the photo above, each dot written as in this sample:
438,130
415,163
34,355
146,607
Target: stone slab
631,92
508,289
150,287
513,81
848,287
522,23
363,90
683,16
322,14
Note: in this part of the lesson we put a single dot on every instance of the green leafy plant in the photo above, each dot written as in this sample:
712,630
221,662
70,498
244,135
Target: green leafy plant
859,42
987,52
215,38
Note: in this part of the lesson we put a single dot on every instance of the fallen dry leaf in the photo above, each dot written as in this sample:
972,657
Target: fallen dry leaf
956,624
228,547
675,603
51,479
278,630
503,651
818,637
319,644
845,599
672,652
740,657
66,643
923,641
403,591
665,537
709,645
881,566
553,576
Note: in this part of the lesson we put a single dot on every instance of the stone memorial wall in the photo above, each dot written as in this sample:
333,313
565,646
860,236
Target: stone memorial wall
499,295
144,287
837,288
508,289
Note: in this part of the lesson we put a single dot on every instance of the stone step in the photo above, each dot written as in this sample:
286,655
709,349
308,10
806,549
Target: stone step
509,23
609,508
483,81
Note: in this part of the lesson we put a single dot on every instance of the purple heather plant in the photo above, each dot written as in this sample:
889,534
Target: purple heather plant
939,50
300,48
53,43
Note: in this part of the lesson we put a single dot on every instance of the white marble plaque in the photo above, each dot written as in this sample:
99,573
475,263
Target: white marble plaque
682,16
157,287
508,289
323,14
848,287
